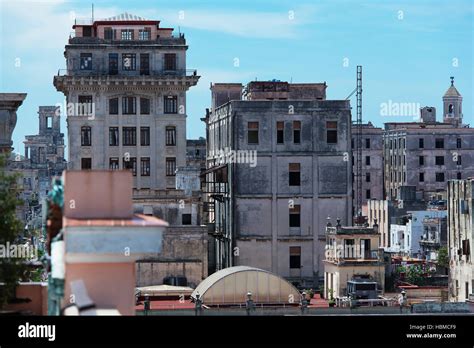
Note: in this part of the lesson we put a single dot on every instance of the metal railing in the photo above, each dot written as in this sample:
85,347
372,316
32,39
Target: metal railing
153,73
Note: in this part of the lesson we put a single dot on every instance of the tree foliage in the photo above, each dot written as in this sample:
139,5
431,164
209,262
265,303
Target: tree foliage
443,257
11,269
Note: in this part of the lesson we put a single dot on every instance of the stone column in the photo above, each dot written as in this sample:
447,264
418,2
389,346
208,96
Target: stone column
9,104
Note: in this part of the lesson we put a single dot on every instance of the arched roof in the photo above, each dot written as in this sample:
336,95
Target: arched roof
231,285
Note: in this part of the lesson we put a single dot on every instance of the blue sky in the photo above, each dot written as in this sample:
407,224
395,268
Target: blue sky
408,49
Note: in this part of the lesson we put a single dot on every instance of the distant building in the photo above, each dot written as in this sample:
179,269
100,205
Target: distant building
43,160
408,234
435,236
372,165
276,168
352,253
427,154
460,239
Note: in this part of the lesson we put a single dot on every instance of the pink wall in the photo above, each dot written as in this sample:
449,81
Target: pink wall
109,285
37,293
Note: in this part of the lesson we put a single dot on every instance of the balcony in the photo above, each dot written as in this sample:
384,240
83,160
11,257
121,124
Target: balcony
153,73
69,77
160,41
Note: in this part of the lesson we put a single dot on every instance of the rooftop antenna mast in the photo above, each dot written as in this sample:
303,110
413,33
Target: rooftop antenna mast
92,13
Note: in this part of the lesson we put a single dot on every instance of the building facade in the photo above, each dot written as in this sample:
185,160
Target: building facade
460,239
125,86
277,167
351,253
372,165
428,153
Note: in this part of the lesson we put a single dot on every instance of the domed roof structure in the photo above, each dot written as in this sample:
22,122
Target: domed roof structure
231,285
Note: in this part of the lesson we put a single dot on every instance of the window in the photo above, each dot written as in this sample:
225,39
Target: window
170,166
85,105
170,61
459,161
129,105
352,143
421,143
295,216
87,31
130,163
367,143
86,136
458,176
145,136
252,133
458,143
421,160
129,61
170,104
295,257
294,174
439,160
439,143
144,106
296,132
280,132
331,132
144,34
86,61
186,219
127,34
113,136
144,64
421,177
145,166
109,34
113,163
367,160
367,177
367,194
113,63
349,248
49,122
129,136
171,136
86,163
439,177
113,106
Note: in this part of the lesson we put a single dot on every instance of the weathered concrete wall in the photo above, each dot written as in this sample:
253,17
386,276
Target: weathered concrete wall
461,239
184,253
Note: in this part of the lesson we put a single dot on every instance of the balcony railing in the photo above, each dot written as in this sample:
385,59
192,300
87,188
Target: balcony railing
173,40
153,73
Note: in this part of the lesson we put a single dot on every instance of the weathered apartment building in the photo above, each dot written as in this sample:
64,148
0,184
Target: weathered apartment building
125,86
372,165
428,153
276,169
352,254
460,239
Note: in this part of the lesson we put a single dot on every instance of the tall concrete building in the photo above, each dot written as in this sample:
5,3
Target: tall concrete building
461,239
125,84
372,165
277,167
428,153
